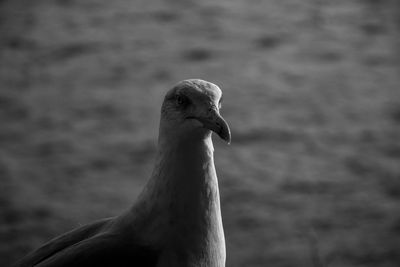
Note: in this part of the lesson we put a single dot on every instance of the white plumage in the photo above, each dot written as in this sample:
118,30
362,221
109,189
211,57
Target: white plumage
176,220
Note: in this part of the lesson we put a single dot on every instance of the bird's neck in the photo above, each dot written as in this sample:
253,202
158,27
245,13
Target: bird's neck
182,196
185,173
184,180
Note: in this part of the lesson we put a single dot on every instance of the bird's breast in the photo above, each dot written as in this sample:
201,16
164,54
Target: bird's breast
179,210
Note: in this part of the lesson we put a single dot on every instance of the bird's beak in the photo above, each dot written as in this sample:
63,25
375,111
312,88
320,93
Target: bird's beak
216,123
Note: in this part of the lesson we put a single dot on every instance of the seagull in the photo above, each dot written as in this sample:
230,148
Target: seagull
176,219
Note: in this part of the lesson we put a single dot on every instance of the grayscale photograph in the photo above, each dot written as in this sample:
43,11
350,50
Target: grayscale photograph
183,133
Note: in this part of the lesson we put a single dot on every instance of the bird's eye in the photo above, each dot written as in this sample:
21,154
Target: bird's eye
182,100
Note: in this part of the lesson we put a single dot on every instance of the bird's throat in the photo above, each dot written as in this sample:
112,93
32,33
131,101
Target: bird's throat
182,194
184,176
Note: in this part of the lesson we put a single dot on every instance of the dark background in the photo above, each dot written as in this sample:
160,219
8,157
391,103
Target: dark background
311,91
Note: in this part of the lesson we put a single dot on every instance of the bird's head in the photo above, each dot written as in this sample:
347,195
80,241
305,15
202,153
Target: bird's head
192,106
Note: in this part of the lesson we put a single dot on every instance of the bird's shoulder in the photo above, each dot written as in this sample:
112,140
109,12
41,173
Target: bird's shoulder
92,245
104,249
63,241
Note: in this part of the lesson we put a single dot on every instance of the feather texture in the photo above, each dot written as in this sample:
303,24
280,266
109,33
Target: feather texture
176,220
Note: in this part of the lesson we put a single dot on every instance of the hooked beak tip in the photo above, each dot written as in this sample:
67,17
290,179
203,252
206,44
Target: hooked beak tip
223,129
225,135
218,125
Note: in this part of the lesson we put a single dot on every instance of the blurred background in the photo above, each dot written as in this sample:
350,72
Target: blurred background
311,91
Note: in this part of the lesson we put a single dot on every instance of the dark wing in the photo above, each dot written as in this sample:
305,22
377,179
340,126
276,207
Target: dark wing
104,249
61,242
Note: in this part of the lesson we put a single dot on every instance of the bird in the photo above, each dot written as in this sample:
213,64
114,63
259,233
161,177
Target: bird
176,219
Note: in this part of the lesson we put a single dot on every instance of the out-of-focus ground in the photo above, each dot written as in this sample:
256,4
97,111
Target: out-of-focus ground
311,91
